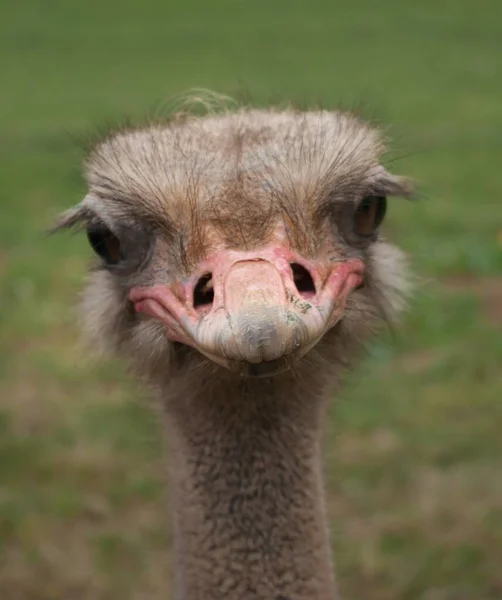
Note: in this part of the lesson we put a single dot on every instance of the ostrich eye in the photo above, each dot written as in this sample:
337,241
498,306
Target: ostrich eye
104,243
369,215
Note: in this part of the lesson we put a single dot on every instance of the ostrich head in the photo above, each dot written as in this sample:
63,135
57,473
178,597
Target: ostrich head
239,264
248,241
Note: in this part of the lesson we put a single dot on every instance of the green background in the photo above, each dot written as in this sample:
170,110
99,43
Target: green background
414,447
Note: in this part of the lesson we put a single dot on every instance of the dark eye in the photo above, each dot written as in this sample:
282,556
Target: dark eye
105,243
369,215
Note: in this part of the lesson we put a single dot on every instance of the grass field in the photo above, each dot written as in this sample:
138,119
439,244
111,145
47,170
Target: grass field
414,451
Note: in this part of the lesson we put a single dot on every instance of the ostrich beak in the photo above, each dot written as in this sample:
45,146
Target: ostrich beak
256,313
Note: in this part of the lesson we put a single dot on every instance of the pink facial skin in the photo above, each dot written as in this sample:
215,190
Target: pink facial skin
258,323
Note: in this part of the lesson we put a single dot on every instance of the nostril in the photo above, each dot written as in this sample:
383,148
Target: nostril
303,280
203,293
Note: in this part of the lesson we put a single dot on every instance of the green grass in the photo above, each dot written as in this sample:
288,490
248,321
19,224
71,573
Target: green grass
414,452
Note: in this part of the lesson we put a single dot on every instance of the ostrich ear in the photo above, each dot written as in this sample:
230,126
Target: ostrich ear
388,184
75,217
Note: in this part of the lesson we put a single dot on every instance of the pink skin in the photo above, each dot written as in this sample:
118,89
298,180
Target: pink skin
257,316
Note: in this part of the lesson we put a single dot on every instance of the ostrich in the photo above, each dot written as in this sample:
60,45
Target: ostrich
240,269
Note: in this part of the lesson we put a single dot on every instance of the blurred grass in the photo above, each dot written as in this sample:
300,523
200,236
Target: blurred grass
414,449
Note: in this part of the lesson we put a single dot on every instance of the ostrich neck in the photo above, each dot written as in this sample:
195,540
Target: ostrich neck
248,492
